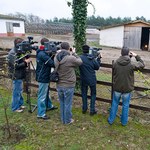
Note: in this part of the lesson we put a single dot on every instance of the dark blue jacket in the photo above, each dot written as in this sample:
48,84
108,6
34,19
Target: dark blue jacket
43,68
87,70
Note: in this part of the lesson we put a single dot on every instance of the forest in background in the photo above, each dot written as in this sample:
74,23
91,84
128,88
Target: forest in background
91,20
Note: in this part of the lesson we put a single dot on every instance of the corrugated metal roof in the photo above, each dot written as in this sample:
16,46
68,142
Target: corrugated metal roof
10,17
131,22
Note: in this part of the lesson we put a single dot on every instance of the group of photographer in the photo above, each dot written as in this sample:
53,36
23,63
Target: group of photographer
65,60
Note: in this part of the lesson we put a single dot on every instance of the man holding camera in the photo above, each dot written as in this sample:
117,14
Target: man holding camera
65,62
88,78
43,70
123,83
17,67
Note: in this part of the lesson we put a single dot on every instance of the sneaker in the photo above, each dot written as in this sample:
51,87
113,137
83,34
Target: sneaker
72,120
44,117
22,107
83,112
109,122
93,112
19,110
54,107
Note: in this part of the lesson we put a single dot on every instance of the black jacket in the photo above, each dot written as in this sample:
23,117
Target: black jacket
87,70
16,65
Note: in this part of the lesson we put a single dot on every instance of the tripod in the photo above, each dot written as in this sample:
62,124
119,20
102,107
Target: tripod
28,89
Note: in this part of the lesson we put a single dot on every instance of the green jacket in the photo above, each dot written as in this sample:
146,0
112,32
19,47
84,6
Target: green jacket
123,79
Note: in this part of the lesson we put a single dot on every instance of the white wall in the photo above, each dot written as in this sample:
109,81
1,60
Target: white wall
3,26
20,29
112,37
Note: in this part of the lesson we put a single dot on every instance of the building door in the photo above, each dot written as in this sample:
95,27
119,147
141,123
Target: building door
9,27
145,38
132,37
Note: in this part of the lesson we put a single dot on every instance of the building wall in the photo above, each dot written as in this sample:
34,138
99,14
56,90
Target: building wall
18,31
2,27
112,37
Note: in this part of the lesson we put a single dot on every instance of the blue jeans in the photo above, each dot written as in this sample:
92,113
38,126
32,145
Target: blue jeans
125,107
84,90
65,98
17,98
43,99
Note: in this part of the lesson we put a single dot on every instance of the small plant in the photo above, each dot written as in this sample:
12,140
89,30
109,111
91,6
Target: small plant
146,81
6,101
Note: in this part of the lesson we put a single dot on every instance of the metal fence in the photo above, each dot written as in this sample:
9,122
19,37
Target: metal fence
104,84
52,28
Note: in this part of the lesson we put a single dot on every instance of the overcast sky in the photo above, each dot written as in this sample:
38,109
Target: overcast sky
48,9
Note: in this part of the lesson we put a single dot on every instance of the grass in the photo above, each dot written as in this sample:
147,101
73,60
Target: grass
87,132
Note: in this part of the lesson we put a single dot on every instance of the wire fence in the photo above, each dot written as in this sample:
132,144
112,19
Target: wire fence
52,28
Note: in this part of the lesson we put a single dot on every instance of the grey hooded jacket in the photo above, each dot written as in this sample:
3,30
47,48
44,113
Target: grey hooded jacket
66,72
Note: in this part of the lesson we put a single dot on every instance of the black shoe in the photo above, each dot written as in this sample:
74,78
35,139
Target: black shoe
123,125
108,122
83,112
44,117
93,112
54,107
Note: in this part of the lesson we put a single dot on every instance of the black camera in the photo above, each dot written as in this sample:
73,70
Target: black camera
130,55
26,46
51,47
93,52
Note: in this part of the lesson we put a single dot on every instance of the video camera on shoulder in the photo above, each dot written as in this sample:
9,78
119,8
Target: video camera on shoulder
26,46
93,52
51,47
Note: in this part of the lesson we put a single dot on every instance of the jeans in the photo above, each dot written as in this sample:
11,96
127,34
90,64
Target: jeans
17,98
65,98
125,107
43,99
84,90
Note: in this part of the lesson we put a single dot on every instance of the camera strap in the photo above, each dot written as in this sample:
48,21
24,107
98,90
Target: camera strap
48,60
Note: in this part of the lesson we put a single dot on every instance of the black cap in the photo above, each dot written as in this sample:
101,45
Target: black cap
85,48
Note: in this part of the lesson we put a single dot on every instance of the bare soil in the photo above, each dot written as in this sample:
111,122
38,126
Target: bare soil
108,54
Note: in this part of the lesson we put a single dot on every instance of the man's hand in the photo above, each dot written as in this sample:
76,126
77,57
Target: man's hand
73,50
99,56
58,52
27,61
133,54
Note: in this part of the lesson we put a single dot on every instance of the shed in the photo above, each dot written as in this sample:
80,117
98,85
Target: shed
11,26
134,34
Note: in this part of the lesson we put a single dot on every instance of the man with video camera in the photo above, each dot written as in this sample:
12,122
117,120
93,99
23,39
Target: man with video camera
43,70
123,83
17,68
88,78
65,62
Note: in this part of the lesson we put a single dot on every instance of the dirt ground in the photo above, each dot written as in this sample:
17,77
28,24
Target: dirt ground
108,54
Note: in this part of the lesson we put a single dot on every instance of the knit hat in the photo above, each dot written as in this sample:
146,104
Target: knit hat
85,48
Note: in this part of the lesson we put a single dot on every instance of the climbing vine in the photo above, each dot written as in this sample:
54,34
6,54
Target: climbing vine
79,8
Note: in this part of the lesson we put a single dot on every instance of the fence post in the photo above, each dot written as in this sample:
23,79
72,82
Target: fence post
112,80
